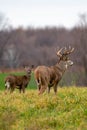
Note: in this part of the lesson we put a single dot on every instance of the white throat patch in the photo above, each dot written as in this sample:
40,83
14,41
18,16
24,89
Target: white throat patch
66,66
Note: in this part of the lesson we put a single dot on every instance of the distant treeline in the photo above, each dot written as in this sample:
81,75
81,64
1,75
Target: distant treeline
30,46
19,47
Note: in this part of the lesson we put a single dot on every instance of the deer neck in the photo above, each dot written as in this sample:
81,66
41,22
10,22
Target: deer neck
61,66
28,75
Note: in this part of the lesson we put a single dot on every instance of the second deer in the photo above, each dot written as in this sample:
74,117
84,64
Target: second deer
19,82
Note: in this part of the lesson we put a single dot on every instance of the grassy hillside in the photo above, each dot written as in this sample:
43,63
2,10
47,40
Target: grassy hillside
65,111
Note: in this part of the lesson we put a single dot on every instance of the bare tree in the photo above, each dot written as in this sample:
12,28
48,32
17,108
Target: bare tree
4,35
11,55
81,35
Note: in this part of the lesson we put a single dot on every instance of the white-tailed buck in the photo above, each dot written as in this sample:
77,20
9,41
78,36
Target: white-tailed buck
47,77
19,82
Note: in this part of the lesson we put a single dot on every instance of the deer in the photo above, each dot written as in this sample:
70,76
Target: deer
47,77
20,82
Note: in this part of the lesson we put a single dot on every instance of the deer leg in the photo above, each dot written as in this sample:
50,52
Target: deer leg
38,85
6,90
42,89
23,89
55,88
12,89
20,90
48,89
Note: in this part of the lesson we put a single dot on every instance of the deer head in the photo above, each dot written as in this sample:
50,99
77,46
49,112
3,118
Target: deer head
28,69
63,53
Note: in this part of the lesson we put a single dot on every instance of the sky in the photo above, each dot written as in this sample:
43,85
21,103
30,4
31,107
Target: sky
42,13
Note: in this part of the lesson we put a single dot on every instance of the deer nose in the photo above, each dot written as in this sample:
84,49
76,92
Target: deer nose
70,62
29,71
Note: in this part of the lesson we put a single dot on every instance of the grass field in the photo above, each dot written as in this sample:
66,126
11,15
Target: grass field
65,111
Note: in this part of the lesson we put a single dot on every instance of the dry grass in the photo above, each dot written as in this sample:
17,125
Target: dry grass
65,111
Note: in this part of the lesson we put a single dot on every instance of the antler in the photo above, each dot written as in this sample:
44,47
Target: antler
64,54
59,52
67,52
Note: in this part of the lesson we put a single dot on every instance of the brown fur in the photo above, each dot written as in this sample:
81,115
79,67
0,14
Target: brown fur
19,82
47,77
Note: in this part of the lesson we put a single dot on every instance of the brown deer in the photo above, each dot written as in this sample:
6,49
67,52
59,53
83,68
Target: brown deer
46,77
19,82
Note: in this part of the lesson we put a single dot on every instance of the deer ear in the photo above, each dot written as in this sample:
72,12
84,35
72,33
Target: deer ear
25,66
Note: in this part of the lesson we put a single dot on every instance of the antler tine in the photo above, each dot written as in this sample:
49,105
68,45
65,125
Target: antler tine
72,49
69,51
65,49
59,52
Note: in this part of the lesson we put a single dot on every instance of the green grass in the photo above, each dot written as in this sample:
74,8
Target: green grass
65,111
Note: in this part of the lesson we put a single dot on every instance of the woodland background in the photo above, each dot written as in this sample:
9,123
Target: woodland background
37,46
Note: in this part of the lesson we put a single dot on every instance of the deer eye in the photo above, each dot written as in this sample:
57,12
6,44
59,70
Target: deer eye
65,58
